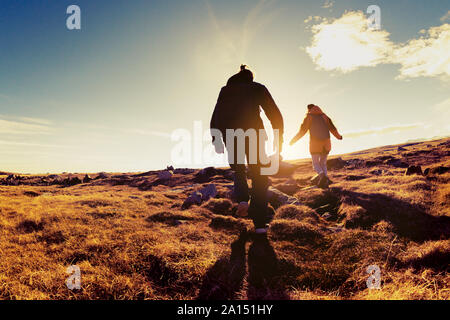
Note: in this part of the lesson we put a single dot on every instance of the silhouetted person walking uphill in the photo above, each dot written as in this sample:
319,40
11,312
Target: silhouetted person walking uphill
238,107
319,126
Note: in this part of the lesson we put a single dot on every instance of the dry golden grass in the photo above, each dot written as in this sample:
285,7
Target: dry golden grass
131,241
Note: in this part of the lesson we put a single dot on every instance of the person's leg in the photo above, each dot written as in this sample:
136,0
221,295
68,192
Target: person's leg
316,163
258,210
240,192
323,163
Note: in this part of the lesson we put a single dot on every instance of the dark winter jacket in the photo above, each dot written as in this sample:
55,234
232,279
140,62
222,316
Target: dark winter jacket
238,107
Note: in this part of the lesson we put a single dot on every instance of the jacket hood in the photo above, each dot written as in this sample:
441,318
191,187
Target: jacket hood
315,110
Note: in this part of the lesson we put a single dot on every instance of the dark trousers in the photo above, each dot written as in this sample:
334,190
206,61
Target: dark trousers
258,209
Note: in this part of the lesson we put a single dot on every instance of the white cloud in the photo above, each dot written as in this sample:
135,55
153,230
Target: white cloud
446,16
347,43
44,122
382,130
27,144
17,127
428,56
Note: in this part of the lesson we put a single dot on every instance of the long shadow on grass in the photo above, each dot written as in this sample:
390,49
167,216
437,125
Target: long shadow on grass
410,221
264,275
224,280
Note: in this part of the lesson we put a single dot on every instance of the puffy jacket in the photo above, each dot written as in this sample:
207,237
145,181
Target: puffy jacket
238,107
319,126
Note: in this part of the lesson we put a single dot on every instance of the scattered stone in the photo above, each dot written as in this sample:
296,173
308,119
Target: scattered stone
209,191
194,198
102,175
31,194
401,149
87,179
165,175
205,174
170,168
413,170
376,172
336,163
427,171
373,163
72,181
439,170
183,171
278,198
397,163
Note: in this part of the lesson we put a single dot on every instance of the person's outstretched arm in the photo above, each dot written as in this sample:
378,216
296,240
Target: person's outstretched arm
333,129
215,125
303,130
273,114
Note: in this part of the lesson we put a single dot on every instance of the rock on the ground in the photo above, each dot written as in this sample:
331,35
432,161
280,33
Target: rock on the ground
72,181
165,175
87,179
336,163
376,172
397,163
439,170
278,198
183,171
413,170
204,174
209,191
401,149
380,172
101,175
194,198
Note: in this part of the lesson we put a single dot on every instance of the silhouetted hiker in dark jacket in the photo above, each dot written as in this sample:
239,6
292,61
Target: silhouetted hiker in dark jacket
238,107
319,126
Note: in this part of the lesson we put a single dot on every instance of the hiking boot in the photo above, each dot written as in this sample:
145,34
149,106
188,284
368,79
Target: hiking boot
242,209
316,179
261,230
323,182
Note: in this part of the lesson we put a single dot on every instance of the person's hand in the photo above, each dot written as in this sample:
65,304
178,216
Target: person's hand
341,137
218,146
291,143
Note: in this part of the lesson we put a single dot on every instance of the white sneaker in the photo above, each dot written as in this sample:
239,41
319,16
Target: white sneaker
242,209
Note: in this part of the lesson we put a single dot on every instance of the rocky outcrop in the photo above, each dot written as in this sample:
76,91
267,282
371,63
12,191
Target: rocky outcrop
336,163
413,170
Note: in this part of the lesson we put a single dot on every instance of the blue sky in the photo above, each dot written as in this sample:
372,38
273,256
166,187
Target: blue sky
108,96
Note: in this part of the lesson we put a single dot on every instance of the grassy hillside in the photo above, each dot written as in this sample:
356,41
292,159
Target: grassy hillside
132,238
